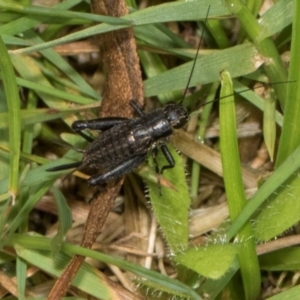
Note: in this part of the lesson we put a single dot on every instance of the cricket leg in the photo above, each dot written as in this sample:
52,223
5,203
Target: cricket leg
65,167
100,124
168,157
117,172
135,106
158,173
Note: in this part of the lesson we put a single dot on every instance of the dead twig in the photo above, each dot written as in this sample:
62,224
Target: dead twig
123,83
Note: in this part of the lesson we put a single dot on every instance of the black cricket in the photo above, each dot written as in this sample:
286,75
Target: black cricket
124,143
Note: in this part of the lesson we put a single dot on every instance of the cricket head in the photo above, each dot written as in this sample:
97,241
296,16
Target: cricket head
176,114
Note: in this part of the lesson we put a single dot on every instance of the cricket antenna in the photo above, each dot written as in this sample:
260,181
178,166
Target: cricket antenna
195,60
243,91
67,146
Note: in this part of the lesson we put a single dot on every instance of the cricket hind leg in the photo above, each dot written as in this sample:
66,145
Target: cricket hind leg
100,124
118,171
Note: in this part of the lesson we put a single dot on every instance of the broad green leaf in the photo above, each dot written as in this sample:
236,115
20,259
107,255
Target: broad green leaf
272,217
171,208
211,261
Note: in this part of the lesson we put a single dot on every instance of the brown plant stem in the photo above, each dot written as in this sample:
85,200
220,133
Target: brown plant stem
123,83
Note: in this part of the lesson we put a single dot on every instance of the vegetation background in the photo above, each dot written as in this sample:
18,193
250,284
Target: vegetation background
51,77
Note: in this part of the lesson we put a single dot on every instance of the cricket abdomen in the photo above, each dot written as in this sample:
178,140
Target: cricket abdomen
116,145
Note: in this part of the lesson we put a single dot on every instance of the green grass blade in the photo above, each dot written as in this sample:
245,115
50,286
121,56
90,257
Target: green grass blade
281,260
167,12
269,125
160,37
217,31
234,187
278,178
290,137
282,12
21,269
22,24
153,65
53,92
35,78
57,13
87,279
14,122
11,40
33,116
290,294
276,70
24,211
199,136
256,100
285,202
207,69
254,6
61,64
65,221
